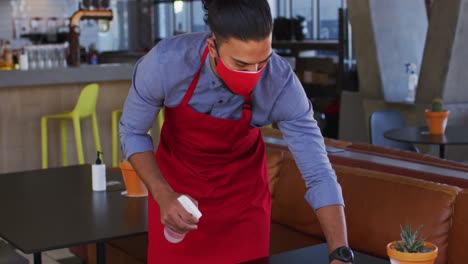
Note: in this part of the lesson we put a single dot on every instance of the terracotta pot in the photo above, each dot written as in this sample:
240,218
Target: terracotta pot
397,257
133,184
437,121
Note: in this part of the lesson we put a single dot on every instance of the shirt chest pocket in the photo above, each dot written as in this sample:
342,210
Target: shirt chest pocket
202,108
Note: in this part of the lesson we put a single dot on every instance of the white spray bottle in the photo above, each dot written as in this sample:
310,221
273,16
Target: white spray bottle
190,207
99,174
412,82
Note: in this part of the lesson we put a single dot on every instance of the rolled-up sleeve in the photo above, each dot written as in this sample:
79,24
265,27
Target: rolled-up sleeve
303,136
144,100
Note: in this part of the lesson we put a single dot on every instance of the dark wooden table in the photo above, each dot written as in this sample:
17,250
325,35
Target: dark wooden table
454,135
317,254
56,208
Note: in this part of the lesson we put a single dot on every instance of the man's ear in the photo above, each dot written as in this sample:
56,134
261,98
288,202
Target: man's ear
211,47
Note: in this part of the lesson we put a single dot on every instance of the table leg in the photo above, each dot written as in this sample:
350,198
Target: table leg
442,151
37,258
101,253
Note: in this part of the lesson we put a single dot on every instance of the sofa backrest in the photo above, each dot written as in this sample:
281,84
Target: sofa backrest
408,156
458,253
377,204
391,166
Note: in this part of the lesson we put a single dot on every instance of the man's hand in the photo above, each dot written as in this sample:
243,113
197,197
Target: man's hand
174,215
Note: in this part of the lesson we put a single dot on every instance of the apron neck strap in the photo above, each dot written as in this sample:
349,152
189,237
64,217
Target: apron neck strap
194,82
247,102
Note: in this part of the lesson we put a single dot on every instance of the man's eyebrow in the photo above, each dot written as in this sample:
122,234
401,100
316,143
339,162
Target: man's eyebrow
246,63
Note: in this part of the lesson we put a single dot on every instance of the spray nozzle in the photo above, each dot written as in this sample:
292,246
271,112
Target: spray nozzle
99,156
410,67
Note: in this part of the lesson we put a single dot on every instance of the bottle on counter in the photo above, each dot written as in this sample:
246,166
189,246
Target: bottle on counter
63,54
93,55
23,60
1,49
16,54
8,56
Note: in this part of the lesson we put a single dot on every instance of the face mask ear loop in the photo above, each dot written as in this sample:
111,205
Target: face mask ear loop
217,52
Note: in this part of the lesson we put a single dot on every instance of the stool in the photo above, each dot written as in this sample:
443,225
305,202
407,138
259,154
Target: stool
115,117
85,107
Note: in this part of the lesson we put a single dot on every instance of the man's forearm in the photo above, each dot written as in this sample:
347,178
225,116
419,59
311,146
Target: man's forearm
333,223
147,168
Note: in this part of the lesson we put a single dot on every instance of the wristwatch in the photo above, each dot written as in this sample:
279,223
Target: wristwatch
344,254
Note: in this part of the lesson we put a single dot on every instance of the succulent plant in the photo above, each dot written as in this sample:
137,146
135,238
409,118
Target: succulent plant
410,242
437,105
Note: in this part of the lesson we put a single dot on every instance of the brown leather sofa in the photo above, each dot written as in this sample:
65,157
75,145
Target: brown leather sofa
379,198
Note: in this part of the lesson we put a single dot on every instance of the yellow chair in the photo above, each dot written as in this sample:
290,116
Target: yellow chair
85,107
115,129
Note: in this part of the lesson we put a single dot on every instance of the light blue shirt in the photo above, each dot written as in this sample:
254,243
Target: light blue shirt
162,77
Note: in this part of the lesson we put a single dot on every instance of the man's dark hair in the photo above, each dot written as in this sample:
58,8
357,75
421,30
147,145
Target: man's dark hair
241,19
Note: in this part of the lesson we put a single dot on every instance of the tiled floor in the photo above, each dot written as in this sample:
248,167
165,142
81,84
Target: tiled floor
53,257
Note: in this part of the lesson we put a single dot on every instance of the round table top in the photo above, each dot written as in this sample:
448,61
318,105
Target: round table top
454,135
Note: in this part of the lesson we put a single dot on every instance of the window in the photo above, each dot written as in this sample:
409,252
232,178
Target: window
182,12
198,24
328,19
178,17
304,9
164,17
321,16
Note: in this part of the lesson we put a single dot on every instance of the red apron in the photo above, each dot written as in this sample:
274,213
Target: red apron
220,163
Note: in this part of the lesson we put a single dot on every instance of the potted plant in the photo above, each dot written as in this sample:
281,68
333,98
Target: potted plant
133,184
436,117
411,248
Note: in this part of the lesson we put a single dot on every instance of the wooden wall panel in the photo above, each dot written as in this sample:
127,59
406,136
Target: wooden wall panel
21,109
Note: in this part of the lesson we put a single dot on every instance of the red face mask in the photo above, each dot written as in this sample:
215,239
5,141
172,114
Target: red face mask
239,82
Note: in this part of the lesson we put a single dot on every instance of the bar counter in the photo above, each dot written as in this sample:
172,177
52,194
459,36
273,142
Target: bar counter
28,95
84,73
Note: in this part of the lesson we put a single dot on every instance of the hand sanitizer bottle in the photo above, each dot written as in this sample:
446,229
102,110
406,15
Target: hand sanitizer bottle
99,174
412,82
188,205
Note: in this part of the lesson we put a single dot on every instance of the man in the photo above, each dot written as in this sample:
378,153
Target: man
216,89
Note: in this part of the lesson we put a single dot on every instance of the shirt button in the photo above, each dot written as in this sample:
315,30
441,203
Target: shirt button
213,83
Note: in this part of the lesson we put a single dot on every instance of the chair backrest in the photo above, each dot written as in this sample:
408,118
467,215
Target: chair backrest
382,121
86,104
161,118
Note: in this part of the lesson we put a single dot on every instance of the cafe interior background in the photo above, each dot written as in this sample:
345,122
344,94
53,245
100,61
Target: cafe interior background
352,60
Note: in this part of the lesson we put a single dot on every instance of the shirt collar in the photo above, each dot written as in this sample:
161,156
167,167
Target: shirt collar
209,77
